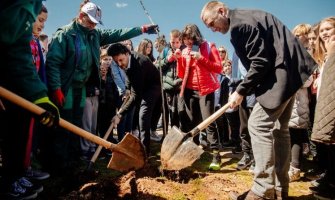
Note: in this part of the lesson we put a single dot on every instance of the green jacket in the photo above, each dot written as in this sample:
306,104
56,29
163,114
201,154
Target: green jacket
68,65
18,73
171,82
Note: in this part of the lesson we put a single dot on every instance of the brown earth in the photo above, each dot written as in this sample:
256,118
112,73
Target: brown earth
149,183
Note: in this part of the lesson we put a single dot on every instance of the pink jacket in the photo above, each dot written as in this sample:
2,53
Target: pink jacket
203,72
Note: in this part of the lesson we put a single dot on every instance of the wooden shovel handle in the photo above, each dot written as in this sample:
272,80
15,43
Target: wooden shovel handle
209,120
10,96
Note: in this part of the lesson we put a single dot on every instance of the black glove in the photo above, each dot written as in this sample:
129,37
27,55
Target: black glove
51,115
150,29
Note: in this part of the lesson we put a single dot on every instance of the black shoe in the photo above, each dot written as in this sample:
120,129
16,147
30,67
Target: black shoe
246,195
24,182
17,192
245,162
324,191
314,174
237,150
326,195
229,144
36,174
323,180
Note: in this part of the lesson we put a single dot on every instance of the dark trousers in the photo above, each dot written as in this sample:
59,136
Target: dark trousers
150,100
158,111
199,108
126,122
106,112
171,99
14,123
298,137
223,127
64,145
234,124
244,113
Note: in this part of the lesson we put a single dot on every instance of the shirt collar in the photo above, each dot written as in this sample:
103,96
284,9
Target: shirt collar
128,67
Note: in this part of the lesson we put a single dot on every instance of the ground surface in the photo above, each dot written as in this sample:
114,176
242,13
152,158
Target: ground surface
149,183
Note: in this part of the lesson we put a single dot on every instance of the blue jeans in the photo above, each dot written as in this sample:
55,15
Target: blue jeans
270,140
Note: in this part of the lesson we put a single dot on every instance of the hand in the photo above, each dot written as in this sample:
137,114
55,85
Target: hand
116,120
58,97
150,29
51,115
177,53
330,45
235,100
196,55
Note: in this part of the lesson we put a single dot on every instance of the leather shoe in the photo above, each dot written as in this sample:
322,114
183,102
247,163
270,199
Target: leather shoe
248,195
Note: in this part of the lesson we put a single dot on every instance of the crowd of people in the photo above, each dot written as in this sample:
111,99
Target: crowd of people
278,85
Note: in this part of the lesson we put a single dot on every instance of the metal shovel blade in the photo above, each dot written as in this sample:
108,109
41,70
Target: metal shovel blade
178,151
186,154
170,144
128,155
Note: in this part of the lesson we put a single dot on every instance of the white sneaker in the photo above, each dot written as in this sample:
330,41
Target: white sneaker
154,136
136,133
294,173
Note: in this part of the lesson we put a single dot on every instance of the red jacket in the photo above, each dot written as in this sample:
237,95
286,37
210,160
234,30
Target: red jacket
203,72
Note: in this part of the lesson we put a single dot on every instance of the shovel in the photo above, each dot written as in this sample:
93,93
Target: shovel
128,155
98,150
178,149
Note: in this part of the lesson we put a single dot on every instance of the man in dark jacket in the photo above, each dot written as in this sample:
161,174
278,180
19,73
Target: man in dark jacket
277,67
144,85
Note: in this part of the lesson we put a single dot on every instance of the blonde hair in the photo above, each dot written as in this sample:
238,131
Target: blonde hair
175,33
226,56
320,49
103,53
301,29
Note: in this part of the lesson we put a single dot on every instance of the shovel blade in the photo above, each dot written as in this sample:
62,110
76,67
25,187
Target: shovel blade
184,156
128,155
171,143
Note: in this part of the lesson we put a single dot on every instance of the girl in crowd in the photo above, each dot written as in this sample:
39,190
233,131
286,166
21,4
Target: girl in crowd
198,66
323,129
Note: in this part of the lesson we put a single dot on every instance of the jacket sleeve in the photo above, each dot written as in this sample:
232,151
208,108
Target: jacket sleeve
121,87
136,85
213,63
56,57
249,40
108,36
181,63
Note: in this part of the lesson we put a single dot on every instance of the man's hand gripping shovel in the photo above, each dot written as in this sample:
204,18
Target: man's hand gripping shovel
128,155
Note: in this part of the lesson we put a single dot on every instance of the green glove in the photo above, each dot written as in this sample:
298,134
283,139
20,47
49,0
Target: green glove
51,115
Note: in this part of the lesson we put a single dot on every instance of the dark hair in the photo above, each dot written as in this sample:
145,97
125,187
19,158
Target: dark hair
43,37
43,9
117,49
192,31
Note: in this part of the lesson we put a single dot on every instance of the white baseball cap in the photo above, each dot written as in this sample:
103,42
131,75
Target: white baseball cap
93,11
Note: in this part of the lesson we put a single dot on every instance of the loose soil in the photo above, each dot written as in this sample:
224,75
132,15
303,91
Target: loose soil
150,183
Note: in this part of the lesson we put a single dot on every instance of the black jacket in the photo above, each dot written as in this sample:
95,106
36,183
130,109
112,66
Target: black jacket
277,63
143,77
